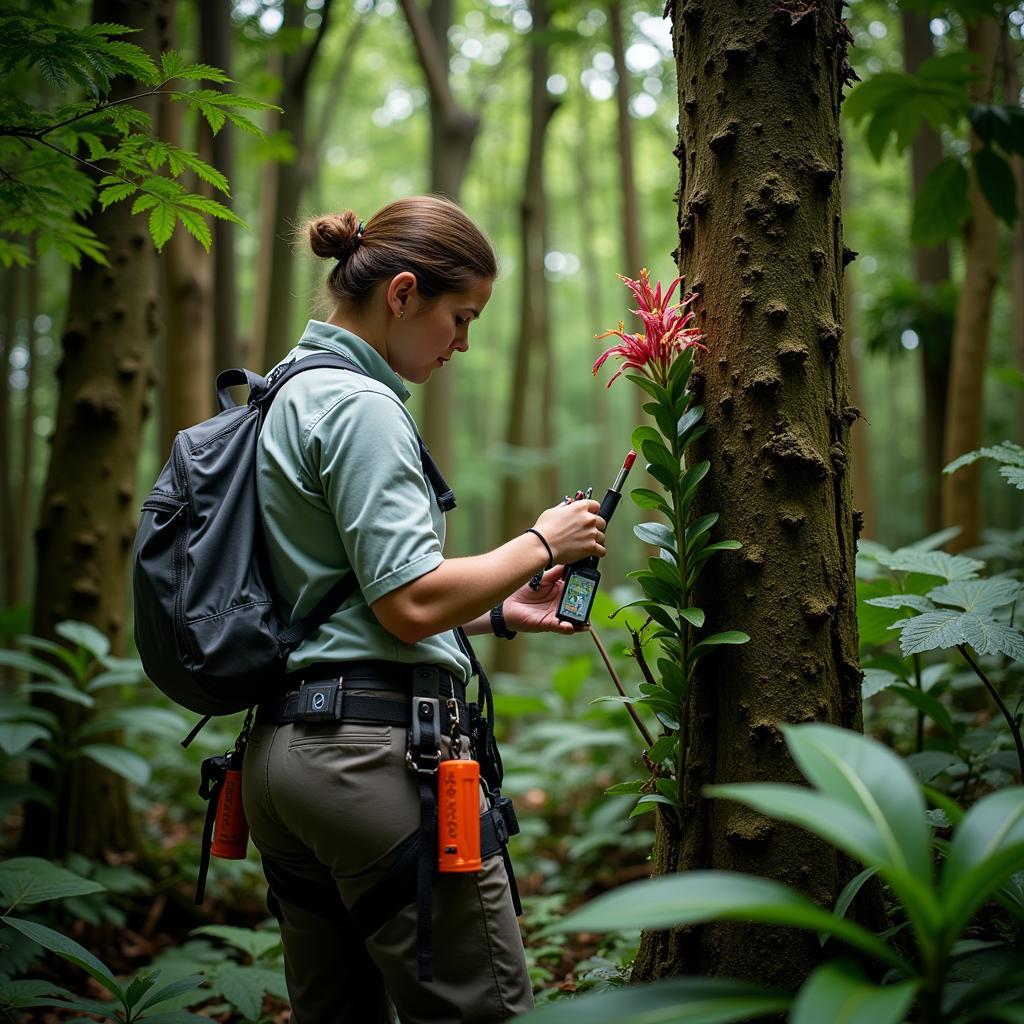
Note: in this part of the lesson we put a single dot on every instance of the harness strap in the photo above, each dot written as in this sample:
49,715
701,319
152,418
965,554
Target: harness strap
354,708
214,772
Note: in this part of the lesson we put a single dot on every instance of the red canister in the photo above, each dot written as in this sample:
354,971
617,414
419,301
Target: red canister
458,816
230,829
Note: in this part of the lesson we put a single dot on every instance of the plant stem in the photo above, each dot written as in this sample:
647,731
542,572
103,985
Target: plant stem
920,714
1004,710
637,721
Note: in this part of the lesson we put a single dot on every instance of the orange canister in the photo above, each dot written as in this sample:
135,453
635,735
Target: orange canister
230,830
458,816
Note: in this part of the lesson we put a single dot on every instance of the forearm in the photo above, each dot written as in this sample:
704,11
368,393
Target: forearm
480,625
461,590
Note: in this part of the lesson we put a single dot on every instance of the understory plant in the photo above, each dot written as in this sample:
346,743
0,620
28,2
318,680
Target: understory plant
662,354
864,800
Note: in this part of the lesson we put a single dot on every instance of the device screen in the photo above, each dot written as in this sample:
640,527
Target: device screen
579,592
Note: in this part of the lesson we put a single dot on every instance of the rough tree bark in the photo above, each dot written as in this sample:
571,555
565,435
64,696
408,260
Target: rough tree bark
931,267
761,244
1017,236
86,520
961,491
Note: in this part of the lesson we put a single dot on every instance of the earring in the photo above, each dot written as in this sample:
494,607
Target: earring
401,315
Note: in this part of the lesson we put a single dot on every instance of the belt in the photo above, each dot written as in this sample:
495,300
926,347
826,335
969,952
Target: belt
396,673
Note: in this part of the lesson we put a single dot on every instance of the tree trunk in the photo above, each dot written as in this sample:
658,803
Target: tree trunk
631,235
297,70
761,244
24,492
215,49
8,518
961,494
931,267
1012,95
187,281
534,318
453,132
86,523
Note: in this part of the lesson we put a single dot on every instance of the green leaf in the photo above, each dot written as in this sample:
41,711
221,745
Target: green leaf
661,474
123,762
255,943
941,206
139,986
689,420
36,666
657,454
170,991
951,568
698,528
644,433
694,616
161,722
675,1000
241,986
1006,452
64,692
997,184
941,630
633,786
663,747
84,635
848,895
699,896
929,704
34,880
838,991
732,636
915,602
927,764
981,596
656,534
161,224
648,499
693,476
876,680
69,950
17,737
987,848
656,391
115,193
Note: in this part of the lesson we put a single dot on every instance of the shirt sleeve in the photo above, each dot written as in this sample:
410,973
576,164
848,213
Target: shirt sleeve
366,454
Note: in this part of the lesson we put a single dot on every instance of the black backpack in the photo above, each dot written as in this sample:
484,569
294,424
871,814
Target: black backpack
205,624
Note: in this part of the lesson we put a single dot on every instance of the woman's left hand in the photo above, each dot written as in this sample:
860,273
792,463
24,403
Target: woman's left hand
533,611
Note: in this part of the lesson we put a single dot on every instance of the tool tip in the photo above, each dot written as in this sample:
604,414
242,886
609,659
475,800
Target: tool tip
630,459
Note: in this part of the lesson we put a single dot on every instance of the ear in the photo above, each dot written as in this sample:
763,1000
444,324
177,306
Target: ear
401,289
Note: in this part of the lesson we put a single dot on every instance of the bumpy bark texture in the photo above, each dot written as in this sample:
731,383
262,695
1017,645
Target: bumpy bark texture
87,518
761,244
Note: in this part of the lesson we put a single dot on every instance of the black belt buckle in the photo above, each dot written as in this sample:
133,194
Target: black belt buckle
321,701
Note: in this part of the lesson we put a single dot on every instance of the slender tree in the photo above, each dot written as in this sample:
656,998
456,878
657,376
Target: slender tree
1012,80
86,523
761,245
12,282
24,491
965,410
931,268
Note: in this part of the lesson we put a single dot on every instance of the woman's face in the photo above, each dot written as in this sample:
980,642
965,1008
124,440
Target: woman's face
430,333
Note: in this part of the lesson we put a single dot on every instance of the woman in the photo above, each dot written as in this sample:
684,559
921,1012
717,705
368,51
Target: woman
345,486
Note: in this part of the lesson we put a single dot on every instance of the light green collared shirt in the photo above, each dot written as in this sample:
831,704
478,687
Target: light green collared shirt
341,489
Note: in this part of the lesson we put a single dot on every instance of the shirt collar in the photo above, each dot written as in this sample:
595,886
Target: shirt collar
329,337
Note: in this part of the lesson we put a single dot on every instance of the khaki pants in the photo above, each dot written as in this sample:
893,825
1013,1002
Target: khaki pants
330,802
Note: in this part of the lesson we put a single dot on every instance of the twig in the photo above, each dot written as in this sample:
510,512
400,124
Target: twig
1010,720
637,721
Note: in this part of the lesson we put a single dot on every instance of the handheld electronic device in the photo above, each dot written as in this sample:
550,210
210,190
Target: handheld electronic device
582,578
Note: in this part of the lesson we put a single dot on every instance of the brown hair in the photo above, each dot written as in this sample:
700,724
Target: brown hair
429,236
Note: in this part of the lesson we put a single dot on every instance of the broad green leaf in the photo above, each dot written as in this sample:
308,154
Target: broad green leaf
870,780
244,987
927,764
25,992
699,896
656,452
255,943
1006,452
61,690
732,636
139,986
633,786
36,666
84,635
916,602
951,568
673,1001
34,880
941,206
69,950
929,704
158,721
987,848
656,534
644,433
997,184
656,391
982,596
663,747
693,476
839,992
117,759
845,827
689,420
699,527
694,616
664,477
161,224
876,680
645,498
941,630
17,737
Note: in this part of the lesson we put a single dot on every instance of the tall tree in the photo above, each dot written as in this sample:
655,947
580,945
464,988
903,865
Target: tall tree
86,519
931,267
761,245
1012,82
961,505
297,65
8,517
533,346
453,132
23,495
215,38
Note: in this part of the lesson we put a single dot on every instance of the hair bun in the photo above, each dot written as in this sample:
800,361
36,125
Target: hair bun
335,236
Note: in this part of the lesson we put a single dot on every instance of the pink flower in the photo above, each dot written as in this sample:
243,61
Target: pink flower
666,332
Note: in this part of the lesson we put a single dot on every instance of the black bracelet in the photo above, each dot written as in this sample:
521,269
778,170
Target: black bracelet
547,547
498,622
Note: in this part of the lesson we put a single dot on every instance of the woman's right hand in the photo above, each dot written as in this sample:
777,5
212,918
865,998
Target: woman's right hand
574,531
